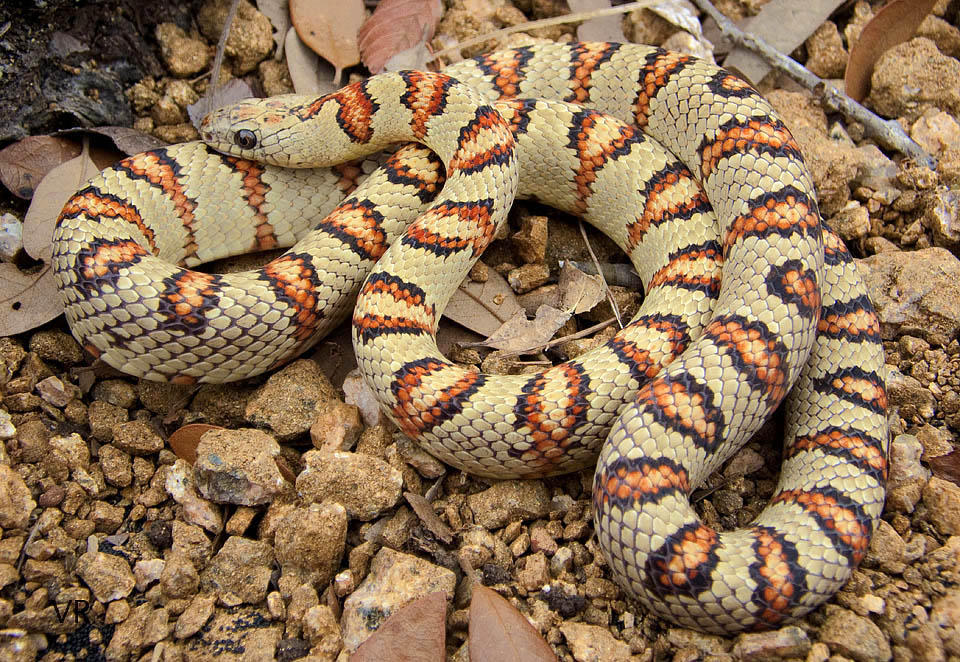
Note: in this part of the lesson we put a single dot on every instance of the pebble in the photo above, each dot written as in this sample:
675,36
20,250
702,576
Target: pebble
530,243
53,390
593,643
289,401
195,616
528,277
108,576
116,466
945,616
787,642
16,503
243,634
887,550
102,416
240,572
182,55
855,637
535,573
942,217
907,475
238,467
137,438
251,35
911,77
509,500
11,237
337,427
7,429
147,571
936,131
309,544
179,578
181,486
942,498
57,346
366,486
395,579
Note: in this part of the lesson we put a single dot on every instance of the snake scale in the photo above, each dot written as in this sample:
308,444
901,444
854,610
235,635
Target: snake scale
740,307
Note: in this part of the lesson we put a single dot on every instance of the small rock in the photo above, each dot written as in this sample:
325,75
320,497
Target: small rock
593,643
852,223
179,578
887,550
102,417
535,573
787,642
942,217
238,467
907,475
912,77
108,576
182,55
117,392
530,243
73,449
7,428
240,572
321,629
945,616
942,499
509,500
855,637
916,292
192,541
290,400
251,35
222,404
195,616
244,634
826,56
180,485
147,571
309,543
57,346
163,398
11,237
336,428
54,391
16,503
528,277
366,486
394,580
137,438
935,442
117,466
936,131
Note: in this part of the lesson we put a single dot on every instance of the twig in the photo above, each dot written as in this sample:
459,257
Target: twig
221,48
596,264
887,132
557,341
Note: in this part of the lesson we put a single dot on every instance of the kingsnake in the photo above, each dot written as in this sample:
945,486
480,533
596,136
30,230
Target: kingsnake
787,308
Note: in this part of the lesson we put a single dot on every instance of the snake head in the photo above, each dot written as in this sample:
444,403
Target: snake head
254,129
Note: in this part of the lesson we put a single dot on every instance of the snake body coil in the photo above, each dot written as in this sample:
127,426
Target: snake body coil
762,300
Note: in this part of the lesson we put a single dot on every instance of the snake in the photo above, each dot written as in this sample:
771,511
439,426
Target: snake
750,296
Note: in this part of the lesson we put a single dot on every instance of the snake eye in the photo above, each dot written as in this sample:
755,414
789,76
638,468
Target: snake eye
245,139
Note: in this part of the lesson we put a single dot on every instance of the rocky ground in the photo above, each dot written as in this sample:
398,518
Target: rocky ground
312,520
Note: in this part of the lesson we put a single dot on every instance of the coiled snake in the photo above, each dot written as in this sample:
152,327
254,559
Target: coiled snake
759,301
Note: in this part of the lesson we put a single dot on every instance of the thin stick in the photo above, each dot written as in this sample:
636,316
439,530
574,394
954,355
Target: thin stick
596,264
557,341
887,132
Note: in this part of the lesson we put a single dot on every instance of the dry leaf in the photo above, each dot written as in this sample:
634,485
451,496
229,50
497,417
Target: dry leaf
51,195
184,440
28,299
127,140
398,29
893,24
24,163
579,292
279,14
946,466
416,633
330,29
429,517
498,632
522,336
483,307
601,28
309,72
235,90
801,19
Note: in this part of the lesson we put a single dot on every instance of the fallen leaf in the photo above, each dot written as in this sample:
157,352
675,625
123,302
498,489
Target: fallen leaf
127,140
520,335
615,273
784,24
309,72
893,24
429,517
601,28
498,632
416,633
278,12
234,90
50,196
579,292
398,29
330,29
28,299
185,439
483,307
24,163
946,466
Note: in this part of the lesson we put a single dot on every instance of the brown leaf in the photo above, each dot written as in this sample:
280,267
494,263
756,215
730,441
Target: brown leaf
28,299
127,140
520,335
416,633
50,196
498,632
429,517
784,24
483,307
24,163
579,292
946,466
397,26
309,72
184,440
893,24
330,29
